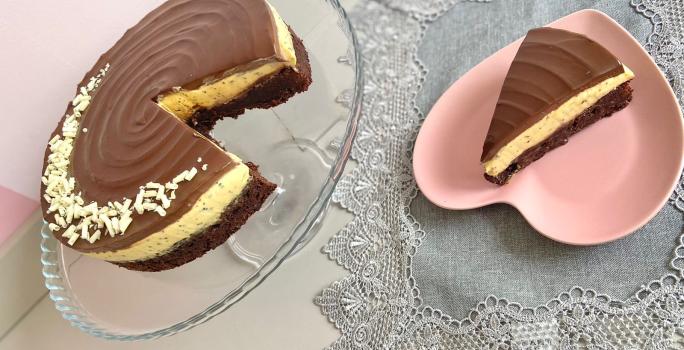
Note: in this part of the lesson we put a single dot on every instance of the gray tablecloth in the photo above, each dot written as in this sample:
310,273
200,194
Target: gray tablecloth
468,255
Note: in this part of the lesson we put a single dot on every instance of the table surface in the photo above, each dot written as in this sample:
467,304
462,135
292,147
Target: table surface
278,314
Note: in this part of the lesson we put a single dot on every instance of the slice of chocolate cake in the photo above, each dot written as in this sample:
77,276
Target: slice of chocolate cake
131,175
559,83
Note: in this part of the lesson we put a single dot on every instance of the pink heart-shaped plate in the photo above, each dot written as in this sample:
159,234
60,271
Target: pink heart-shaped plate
607,182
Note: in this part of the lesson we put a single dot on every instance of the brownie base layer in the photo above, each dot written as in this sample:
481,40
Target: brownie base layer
266,93
605,107
231,220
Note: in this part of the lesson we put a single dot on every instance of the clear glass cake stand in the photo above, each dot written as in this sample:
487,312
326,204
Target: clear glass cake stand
302,145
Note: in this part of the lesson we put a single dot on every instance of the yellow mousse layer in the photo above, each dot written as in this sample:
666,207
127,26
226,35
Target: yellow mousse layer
203,214
184,103
553,121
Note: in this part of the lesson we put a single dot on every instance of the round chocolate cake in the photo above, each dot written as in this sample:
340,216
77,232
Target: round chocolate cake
131,174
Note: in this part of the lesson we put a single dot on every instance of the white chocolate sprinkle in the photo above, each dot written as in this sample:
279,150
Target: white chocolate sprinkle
126,206
95,237
73,239
115,225
53,140
180,178
160,194
90,209
154,185
84,232
69,232
166,203
70,214
191,174
150,206
125,222
160,211
78,211
60,221
108,224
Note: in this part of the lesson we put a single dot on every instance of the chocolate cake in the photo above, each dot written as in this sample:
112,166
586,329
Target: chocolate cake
131,174
559,83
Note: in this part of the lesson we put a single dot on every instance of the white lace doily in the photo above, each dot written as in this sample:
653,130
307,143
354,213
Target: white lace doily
378,306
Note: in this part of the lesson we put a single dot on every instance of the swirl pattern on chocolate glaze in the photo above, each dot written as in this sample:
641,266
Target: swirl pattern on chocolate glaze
550,67
131,140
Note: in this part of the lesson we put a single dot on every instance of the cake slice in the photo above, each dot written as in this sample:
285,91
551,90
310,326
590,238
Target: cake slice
131,174
559,83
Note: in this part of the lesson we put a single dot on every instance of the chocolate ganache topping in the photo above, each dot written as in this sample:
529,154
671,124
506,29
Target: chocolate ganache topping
130,140
551,66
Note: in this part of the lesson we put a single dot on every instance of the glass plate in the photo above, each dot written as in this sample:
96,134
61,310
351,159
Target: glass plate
302,145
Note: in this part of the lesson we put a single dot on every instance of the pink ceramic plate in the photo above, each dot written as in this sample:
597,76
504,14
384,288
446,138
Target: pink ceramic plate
607,182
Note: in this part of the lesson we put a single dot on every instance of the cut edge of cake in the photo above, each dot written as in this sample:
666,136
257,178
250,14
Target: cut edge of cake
267,93
184,102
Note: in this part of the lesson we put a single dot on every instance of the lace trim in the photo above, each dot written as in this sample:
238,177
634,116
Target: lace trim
665,46
378,306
